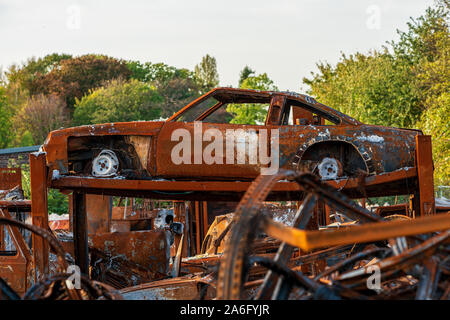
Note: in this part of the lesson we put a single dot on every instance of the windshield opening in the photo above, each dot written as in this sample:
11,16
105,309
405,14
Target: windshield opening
196,111
233,109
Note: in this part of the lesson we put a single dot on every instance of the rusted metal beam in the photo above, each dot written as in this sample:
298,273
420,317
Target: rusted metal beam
80,232
197,227
108,186
425,170
179,213
204,213
38,174
308,240
16,205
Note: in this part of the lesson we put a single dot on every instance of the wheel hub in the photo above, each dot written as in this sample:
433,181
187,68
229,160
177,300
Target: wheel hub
105,164
329,169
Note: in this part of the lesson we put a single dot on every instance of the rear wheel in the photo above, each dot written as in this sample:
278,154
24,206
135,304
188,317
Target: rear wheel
332,160
329,169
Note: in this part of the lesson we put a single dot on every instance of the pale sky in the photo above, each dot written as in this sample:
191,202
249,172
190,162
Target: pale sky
283,38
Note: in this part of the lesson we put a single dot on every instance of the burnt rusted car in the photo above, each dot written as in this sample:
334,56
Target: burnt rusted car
298,133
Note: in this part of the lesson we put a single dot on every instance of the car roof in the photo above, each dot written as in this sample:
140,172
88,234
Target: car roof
236,95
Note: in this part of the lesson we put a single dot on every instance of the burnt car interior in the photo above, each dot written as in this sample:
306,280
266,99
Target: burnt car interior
83,149
298,113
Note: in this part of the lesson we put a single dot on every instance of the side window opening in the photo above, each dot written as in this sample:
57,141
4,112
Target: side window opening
298,114
239,113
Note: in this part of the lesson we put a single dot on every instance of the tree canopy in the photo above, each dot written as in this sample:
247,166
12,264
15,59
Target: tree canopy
249,113
176,86
42,114
76,76
404,84
5,123
206,73
119,100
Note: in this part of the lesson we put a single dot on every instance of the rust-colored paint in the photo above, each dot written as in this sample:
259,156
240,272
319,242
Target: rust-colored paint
10,178
378,149
15,269
425,175
149,249
98,209
387,184
308,240
38,177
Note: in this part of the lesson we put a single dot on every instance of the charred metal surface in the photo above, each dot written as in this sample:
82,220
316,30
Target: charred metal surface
408,270
149,249
392,183
143,149
15,263
10,178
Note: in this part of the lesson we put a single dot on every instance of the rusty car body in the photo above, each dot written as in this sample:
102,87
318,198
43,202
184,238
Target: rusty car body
309,133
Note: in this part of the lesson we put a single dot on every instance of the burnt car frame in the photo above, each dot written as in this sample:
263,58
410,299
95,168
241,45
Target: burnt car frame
310,135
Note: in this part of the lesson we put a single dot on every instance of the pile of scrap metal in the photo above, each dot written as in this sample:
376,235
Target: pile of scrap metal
375,258
368,257
130,245
265,251
53,286
315,243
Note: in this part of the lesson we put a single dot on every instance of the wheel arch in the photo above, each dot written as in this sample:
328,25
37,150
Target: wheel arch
314,150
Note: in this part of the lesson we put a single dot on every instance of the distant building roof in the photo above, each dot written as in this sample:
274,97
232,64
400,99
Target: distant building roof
20,150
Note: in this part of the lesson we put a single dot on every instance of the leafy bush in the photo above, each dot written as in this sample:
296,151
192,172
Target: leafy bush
118,101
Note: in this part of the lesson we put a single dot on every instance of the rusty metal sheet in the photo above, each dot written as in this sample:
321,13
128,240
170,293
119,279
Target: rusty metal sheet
15,266
374,150
10,178
182,288
149,249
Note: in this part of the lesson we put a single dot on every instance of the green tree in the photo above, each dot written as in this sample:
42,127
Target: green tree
206,73
433,81
119,101
43,114
375,88
5,120
250,113
436,122
76,76
425,35
176,86
57,202
244,74
405,84
19,79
